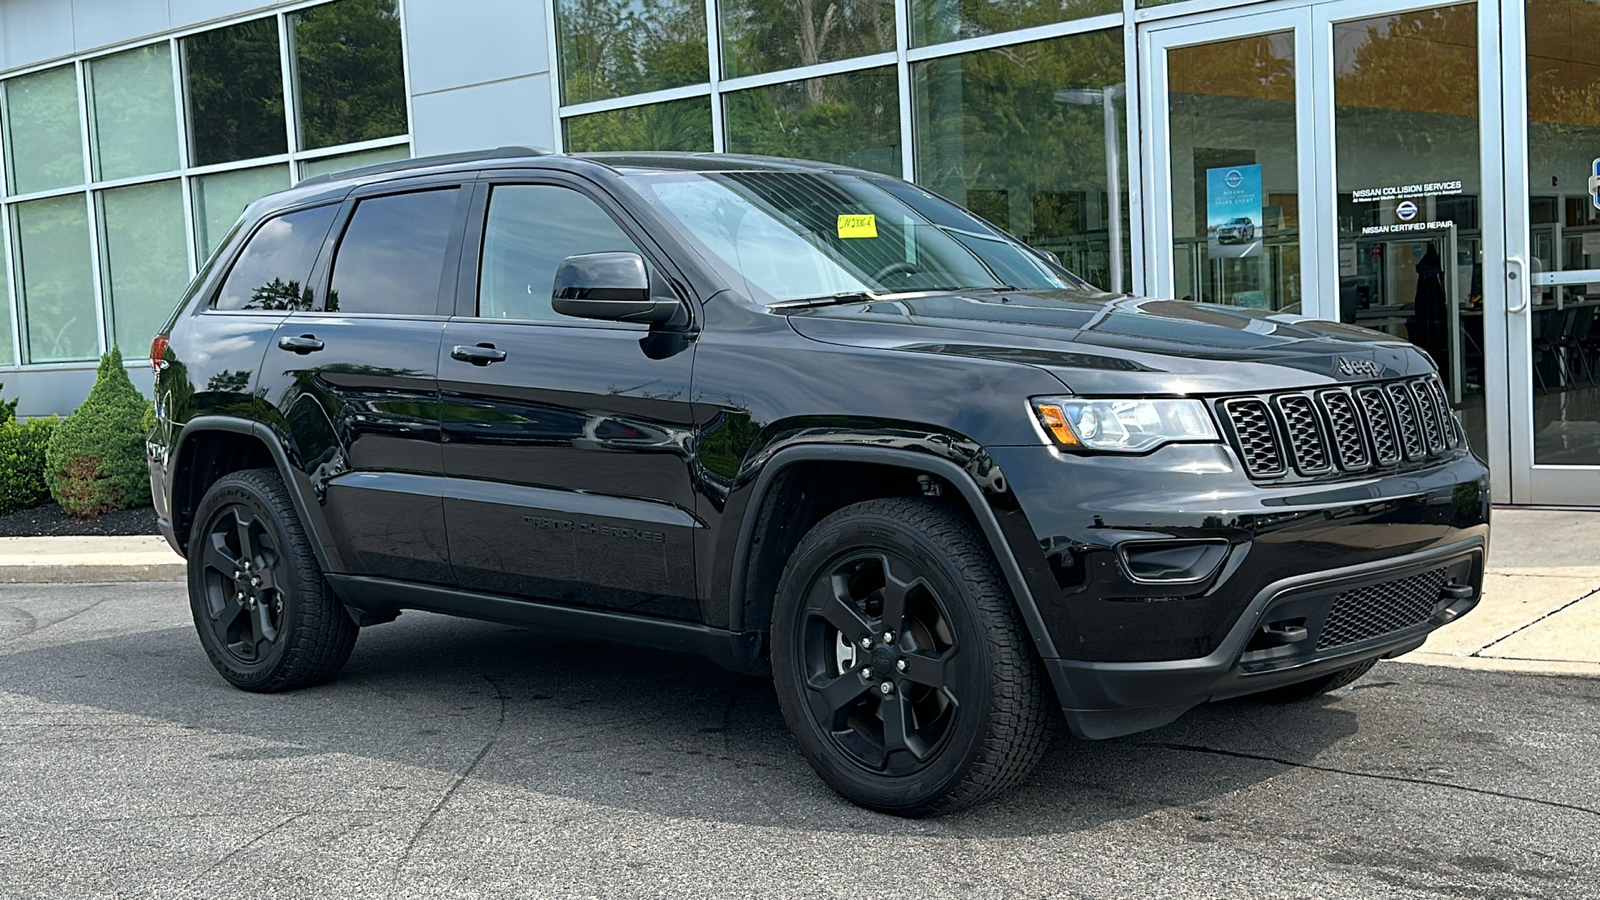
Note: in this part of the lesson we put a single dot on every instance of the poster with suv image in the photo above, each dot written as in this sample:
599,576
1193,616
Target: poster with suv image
1233,212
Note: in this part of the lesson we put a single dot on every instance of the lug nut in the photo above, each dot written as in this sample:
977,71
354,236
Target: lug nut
237,575
866,671
888,637
900,664
247,564
886,688
866,643
255,582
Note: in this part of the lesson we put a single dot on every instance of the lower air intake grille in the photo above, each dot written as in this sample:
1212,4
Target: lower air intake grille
1380,609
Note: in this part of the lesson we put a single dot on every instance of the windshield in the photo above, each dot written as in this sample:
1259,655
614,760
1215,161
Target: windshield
797,235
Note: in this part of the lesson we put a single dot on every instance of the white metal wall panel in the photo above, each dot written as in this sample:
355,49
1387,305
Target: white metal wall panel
97,23
497,114
455,43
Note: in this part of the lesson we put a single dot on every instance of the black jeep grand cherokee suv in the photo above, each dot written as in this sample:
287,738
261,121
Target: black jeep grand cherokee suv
798,419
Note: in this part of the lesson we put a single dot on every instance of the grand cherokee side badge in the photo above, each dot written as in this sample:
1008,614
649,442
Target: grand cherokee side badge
1365,367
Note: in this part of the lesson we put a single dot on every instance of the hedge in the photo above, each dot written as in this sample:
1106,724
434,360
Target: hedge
95,460
22,451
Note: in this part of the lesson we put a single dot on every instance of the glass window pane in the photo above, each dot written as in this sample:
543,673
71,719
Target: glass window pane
1235,172
674,125
530,230
146,259
1018,135
937,21
1563,142
768,35
6,347
218,200
135,123
272,267
348,77
610,48
391,257
1409,187
313,167
53,271
44,145
235,89
852,119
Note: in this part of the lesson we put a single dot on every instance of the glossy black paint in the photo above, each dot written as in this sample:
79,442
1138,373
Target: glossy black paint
625,467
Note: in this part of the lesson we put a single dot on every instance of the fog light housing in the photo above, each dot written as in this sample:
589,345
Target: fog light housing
1171,562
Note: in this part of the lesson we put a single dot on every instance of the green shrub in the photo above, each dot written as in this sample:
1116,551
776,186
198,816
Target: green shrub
22,447
95,462
8,408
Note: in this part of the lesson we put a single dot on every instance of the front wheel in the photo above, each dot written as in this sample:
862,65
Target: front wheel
264,613
899,661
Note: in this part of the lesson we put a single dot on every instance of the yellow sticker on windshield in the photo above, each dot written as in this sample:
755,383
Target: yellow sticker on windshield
858,226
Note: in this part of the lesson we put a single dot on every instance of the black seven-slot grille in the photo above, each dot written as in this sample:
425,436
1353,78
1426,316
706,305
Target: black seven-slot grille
1341,429
1381,609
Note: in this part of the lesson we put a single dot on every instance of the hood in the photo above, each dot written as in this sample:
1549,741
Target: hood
1103,344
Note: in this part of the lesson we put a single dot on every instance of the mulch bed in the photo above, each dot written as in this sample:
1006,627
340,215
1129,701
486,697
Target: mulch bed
50,519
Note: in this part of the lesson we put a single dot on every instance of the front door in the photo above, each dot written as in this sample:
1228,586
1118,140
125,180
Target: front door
1329,160
566,441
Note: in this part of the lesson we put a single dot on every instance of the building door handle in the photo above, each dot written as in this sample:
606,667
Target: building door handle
478,355
302,345
1518,290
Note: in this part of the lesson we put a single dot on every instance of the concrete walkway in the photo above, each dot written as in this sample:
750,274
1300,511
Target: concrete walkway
1540,610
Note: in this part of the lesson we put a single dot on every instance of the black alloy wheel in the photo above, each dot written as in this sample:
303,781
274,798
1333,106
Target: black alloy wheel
879,655
265,615
900,663
243,604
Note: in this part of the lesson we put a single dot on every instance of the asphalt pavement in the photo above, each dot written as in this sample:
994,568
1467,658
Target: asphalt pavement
466,759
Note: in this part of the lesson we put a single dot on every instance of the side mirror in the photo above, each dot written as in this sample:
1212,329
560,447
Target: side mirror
611,287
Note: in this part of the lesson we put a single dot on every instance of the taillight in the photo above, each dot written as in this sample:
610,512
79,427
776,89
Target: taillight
158,353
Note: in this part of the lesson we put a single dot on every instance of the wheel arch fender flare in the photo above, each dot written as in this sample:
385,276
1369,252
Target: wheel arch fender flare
311,522
951,472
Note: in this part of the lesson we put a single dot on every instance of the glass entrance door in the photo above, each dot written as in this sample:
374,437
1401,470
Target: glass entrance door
1552,134
1231,145
1410,201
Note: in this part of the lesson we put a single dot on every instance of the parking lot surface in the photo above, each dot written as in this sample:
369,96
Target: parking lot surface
466,759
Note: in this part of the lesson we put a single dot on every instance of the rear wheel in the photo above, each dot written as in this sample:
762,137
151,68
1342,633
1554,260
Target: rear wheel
264,613
1305,690
899,661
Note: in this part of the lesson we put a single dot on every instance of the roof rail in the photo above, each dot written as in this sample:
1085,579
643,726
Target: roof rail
421,162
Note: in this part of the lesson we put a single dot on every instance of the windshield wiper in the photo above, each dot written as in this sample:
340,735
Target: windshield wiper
832,299
870,296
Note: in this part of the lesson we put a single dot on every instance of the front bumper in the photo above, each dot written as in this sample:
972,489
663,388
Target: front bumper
1127,653
1293,630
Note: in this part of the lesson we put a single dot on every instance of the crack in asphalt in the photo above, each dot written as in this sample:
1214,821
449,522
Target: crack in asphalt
455,784
246,846
1193,748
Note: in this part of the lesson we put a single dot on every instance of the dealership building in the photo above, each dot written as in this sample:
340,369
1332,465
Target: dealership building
1432,171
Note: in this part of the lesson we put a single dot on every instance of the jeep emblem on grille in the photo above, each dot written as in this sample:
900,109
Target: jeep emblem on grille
1365,367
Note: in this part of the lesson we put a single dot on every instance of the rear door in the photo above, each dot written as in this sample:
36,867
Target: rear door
355,380
568,457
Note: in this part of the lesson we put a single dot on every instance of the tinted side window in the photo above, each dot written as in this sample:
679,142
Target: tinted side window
271,272
531,228
391,258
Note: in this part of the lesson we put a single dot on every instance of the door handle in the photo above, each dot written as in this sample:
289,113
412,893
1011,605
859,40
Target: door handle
302,345
479,355
1520,289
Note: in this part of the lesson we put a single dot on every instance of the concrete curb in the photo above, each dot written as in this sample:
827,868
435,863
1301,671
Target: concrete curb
91,574
83,560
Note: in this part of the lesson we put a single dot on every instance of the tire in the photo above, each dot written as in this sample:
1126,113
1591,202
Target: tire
1305,690
275,624
957,634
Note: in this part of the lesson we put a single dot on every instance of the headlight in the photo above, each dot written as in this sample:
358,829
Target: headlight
1123,426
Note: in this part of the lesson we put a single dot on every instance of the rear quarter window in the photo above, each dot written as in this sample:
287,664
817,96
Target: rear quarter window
270,274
